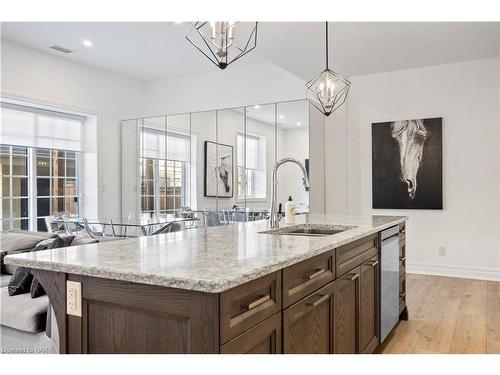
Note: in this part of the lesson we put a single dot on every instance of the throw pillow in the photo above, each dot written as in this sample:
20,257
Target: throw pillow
36,289
20,282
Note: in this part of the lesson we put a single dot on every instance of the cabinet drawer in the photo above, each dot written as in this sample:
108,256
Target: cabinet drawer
247,305
352,255
264,338
307,276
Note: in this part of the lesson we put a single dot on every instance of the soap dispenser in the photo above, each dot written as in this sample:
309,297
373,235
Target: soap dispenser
290,211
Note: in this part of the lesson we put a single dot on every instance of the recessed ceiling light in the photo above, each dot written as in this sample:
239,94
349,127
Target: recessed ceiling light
256,106
87,43
281,116
299,123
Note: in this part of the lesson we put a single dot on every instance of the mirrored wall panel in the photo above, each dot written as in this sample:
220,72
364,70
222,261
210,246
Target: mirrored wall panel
215,166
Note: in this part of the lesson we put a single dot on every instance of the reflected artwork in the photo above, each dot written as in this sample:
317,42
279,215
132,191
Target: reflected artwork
218,170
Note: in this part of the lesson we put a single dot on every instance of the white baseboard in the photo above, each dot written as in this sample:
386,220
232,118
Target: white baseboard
490,274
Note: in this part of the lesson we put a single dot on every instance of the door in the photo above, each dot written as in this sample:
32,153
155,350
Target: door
308,324
346,313
264,338
369,306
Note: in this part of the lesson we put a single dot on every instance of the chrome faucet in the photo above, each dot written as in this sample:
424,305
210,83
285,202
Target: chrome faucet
274,219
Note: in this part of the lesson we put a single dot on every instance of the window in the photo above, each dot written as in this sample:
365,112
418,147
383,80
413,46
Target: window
251,166
14,193
56,184
164,174
54,176
39,165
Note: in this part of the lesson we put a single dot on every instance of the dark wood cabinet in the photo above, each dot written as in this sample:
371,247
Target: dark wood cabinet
264,338
403,310
369,337
308,324
346,313
326,304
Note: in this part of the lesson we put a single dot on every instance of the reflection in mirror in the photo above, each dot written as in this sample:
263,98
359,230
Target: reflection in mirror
214,166
203,129
260,143
152,166
222,165
130,162
293,142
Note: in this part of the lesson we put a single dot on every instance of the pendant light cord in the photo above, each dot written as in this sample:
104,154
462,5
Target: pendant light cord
326,40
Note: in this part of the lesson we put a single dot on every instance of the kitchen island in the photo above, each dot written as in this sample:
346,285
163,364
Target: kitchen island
240,288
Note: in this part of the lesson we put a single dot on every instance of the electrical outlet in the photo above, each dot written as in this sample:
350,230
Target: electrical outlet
73,298
442,251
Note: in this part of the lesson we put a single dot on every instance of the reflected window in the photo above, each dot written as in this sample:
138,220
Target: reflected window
164,171
251,166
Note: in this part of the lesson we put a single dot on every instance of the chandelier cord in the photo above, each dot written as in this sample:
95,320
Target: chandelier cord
326,39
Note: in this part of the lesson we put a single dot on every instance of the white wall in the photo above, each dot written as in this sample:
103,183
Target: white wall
235,87
46,79
466,96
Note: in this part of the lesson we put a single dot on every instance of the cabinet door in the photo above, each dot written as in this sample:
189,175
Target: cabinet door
369,306
308,324
346,313
264,338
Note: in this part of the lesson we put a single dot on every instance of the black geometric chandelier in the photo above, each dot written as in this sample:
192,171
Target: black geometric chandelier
223,42
328,90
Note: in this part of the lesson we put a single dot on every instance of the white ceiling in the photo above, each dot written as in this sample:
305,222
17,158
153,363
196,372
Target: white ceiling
290,115
151,51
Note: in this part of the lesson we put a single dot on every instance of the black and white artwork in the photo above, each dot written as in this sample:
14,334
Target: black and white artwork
218,170
407,164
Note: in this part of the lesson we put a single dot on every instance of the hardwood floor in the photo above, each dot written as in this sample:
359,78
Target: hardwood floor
449,315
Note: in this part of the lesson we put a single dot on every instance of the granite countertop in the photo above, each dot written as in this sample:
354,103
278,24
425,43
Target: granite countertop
208,260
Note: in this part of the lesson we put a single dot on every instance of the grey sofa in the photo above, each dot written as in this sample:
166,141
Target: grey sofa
28,324
23,319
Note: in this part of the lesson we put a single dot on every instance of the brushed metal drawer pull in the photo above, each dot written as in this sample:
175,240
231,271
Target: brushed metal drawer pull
316,274
352,276
374,263
257,302
321,299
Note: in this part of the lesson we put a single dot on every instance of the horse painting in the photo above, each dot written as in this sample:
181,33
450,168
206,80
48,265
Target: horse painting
407,169
411,136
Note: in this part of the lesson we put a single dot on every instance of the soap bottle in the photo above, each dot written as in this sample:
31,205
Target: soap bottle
290,211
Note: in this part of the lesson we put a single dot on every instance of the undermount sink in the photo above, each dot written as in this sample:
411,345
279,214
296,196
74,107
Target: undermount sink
309,230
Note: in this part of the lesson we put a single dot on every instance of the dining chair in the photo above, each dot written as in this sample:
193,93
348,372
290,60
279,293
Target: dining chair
170,228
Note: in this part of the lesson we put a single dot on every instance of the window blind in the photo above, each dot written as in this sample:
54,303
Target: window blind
252,151
157,144
33,127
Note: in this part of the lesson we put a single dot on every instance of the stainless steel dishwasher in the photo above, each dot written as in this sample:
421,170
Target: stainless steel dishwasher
389,281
